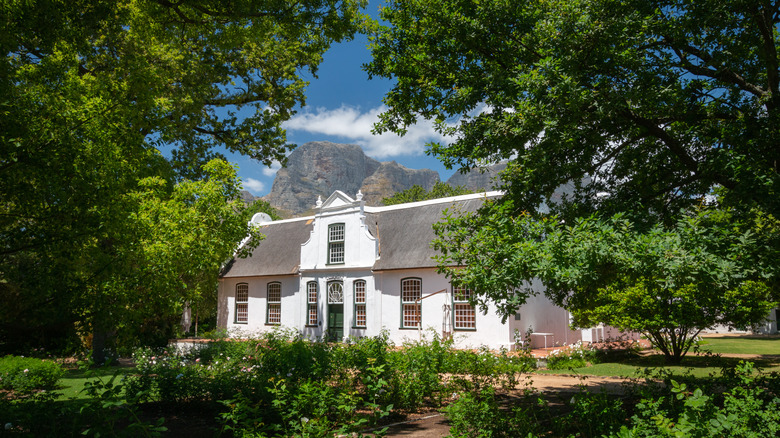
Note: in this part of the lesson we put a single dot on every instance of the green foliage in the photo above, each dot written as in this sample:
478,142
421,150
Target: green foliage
479,414
25,374
656,103
91,95
745,409
711,268
417,193
640,109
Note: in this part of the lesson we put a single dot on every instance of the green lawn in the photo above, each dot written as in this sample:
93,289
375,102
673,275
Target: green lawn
72,384
741,345
698,366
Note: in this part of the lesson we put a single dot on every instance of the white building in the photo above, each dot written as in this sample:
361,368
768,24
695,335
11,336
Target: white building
353,271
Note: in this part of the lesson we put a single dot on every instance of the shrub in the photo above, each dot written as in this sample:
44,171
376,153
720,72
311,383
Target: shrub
747,408
25,374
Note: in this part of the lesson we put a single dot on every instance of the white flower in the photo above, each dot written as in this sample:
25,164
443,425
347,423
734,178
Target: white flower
26,370
304,420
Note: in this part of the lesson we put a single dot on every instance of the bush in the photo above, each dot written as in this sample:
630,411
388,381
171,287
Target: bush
748,407
25,374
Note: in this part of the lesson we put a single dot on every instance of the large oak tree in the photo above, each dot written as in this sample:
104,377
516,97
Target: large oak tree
91,94
645,108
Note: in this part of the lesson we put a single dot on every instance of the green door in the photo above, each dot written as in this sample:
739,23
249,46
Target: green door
335,322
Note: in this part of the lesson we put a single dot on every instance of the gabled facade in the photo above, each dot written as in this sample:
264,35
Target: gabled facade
353,271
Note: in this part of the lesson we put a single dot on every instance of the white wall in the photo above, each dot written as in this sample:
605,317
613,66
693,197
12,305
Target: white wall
436,312
540,315
258,294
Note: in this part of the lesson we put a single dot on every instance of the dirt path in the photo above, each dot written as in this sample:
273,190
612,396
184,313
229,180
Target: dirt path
434,424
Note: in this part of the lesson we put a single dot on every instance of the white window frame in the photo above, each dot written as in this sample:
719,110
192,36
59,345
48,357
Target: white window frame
273,314
336,247
312,298
411,304
464,315
359,287
242,304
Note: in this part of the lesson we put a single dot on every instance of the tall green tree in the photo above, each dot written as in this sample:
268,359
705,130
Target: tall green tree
91,92
645,108
418,193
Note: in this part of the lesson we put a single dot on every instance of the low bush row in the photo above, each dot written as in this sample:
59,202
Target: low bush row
26,374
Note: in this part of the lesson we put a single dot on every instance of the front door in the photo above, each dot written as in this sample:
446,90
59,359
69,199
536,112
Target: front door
335,311
335,322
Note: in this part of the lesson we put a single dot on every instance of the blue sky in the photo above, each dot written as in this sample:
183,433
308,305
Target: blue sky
342,104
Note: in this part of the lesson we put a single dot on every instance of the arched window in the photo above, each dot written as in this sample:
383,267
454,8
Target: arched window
360,303
336,244
312,296
242,303
411,308
274,304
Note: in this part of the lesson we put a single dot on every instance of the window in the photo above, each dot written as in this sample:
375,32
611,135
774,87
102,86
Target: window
274,313
242,303
335,292
464,314
360,303
411,312
336,244
311,303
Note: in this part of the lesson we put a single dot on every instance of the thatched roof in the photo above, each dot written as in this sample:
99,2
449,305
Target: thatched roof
278,254
405,233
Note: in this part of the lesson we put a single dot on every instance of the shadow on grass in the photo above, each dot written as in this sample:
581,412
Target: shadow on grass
697,361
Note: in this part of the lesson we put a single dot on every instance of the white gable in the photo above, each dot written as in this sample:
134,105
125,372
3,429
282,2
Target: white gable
337,200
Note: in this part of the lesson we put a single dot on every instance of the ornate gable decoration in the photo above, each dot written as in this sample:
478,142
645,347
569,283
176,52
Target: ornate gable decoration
337,200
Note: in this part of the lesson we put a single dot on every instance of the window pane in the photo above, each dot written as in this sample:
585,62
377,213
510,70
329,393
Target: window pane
242,312
336,233
274,293
242,302
360,291
411,316
461,294
336,253
360,315
335,293
312,314
274,314
274,303
411,290
465,317
312,293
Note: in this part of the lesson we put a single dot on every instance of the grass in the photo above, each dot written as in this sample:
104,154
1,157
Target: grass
72,384
741,345
704,365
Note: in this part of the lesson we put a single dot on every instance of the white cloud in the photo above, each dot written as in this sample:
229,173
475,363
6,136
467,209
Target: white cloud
253,186
271,171
350,123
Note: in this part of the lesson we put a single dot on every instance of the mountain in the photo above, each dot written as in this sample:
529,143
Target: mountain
478,179
319,168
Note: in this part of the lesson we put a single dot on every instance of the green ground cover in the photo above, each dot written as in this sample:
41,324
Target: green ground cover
712,358
72,384
741,345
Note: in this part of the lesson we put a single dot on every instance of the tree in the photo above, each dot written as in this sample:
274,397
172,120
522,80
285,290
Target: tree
645,108
91,92
417,193
657,102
